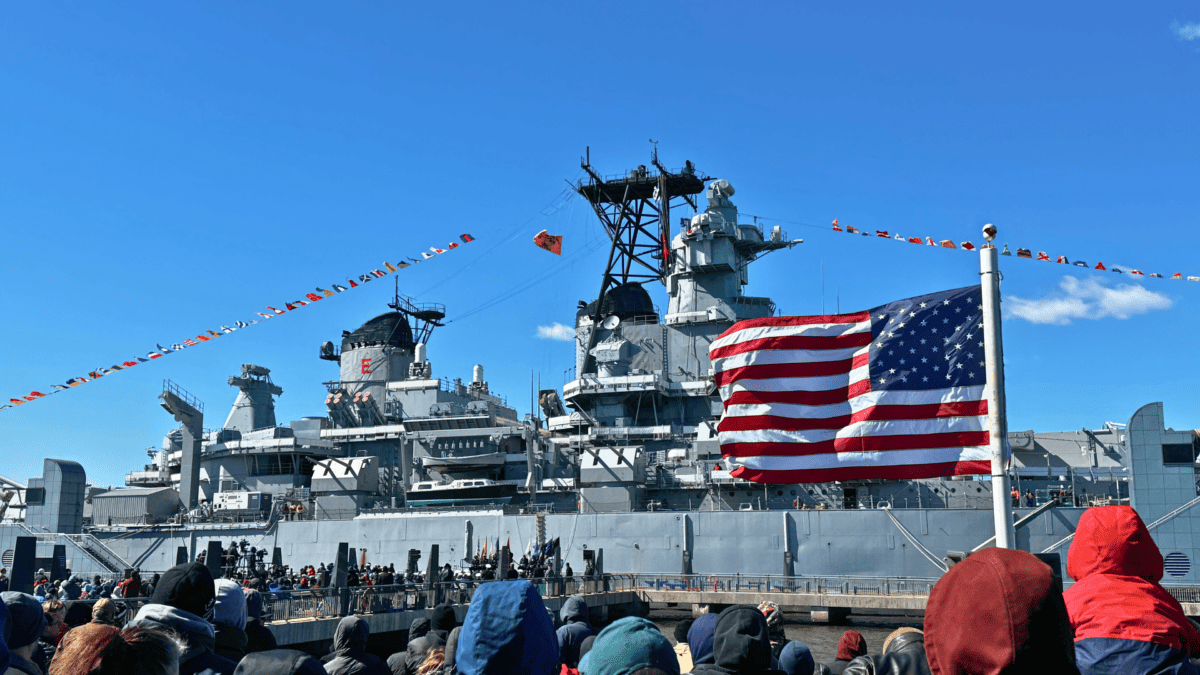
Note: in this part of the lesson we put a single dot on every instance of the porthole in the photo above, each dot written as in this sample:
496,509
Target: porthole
1177,564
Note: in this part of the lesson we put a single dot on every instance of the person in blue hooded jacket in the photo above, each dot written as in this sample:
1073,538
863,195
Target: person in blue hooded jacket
507,630
3,634
700,639
630,645
575,629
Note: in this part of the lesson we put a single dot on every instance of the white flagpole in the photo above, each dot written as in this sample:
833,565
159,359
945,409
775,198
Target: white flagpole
993,347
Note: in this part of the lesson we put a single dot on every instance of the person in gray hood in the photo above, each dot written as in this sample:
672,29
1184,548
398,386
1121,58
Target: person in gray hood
350,656
181,603
575,629
229,620
421,640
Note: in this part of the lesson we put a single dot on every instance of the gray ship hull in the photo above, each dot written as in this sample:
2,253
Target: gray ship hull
850,542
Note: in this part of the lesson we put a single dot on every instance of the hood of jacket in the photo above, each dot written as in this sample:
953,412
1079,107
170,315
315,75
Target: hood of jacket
796,659
418,628
852,645
279,662
443,619
254,605
629,645
26,619
229,607
351,636
4,653
1013,593
506,624
1116,595
700,639
574,610
742,642
196,632
1113,540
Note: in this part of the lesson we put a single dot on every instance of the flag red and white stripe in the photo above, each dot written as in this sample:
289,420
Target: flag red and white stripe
800,407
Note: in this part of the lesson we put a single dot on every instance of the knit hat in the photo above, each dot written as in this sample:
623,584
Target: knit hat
26,620
796,659
851,645
188,587
682,628
773,614
629,645
104,611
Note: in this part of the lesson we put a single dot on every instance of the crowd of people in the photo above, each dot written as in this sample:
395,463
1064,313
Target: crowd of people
997,611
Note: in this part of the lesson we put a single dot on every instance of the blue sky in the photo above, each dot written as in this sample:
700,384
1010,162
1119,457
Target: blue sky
168,169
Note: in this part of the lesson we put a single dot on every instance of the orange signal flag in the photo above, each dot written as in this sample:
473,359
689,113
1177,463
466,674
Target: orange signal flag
549,242
946,243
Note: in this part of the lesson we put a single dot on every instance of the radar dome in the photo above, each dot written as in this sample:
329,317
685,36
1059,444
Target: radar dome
625,301
386,329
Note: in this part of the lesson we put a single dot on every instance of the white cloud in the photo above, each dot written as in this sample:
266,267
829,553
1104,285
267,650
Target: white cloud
556,331
1087,299
1186,31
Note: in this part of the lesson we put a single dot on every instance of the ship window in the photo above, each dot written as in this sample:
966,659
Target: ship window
35,495
274,465
1179,453
423,487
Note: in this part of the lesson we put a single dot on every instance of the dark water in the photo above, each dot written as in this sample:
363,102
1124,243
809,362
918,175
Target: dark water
822,639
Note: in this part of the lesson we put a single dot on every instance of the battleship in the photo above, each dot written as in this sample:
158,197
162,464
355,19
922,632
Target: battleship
623,459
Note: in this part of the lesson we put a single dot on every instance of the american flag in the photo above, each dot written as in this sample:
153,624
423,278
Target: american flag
894,392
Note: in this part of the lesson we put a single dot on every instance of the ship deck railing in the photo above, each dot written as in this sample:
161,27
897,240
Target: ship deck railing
757,584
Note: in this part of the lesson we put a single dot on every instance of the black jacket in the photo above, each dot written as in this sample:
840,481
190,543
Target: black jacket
741,644
279,662
259,638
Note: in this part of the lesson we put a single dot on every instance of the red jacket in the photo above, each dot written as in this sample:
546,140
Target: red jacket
1116,567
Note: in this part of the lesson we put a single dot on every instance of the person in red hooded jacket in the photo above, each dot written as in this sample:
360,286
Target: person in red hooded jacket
1124,621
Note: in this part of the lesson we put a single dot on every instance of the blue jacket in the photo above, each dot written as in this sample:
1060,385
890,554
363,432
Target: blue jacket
1116,656
507,630
575,629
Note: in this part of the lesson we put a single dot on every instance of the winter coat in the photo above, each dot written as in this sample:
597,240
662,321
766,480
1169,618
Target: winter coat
627,646
998,612
350,656
850,646
279,662
893,663
199,657
575,629
409,661
741,643
506,630
1124,621
259,638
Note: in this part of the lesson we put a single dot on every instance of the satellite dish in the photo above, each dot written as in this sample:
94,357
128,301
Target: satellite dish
611,322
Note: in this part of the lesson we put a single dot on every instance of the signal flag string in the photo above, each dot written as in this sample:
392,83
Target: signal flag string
1026,253
290,306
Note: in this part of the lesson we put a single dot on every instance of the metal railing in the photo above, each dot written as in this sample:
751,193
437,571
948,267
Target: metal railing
823,585
332,603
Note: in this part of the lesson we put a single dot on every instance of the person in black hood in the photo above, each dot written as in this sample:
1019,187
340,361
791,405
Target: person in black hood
350,656
279,662
741,644
421,640
442,621
259,638
182,603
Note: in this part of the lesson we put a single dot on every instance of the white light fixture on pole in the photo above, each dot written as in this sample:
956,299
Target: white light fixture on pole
993,346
